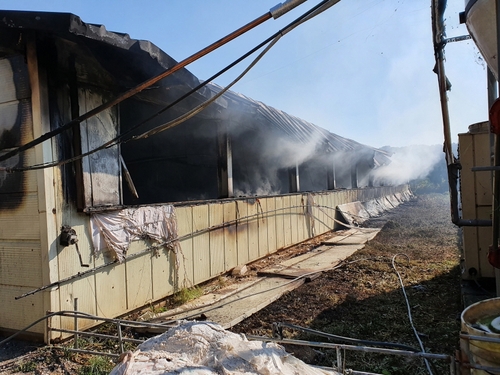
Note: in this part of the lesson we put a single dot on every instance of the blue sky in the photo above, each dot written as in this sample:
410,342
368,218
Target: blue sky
362,69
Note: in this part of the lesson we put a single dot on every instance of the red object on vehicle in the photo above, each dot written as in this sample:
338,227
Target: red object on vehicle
494,256
495,117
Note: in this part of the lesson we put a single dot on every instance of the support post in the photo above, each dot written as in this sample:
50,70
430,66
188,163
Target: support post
224,161
330,175
354,176
294,178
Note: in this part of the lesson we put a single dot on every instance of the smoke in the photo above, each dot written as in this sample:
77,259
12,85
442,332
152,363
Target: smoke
407,164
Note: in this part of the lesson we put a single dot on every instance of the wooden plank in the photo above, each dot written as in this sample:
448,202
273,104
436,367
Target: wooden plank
242,232
230,243
217,255
353,237
103,168
238,306
201,244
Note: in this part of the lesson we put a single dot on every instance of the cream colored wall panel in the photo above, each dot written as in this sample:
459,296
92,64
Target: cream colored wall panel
201,244
287,221
165,276
217,255
83,290
138,276
17,314
467,180
230,243
483,180
318,214
297,202
271,224
484,242
186,258
294,217
242,232
253,210
263,224
27,214
280,223
302,222
471,256
329,212
111,291
484,239
20,264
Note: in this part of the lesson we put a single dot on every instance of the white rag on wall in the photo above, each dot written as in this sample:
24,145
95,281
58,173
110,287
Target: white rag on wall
117,229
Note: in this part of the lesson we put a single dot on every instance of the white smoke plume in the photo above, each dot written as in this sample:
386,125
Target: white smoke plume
407,164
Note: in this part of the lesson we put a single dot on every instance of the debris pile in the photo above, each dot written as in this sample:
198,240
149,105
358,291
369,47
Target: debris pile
206,348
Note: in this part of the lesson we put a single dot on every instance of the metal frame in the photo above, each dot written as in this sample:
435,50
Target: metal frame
120,323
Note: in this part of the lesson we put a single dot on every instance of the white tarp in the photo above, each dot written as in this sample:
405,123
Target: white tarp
206,348
117,229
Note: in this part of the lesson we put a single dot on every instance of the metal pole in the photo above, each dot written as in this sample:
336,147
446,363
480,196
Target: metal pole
75,307
120,338
496,180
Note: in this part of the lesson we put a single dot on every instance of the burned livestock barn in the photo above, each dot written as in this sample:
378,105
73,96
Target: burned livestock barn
114,214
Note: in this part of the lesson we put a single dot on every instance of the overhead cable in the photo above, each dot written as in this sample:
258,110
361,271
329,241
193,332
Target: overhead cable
275,12
319,8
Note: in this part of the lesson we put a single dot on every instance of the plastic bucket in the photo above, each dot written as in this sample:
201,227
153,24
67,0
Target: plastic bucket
480,352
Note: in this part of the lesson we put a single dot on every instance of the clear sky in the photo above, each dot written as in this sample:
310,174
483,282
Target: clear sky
362,69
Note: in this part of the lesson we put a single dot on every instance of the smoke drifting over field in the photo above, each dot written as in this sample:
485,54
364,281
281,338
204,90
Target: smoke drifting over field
407,164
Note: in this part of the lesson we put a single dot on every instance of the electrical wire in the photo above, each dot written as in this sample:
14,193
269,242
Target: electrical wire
409,308
350,340
319,8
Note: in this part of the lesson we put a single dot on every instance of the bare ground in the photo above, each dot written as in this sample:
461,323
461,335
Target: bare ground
362,299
